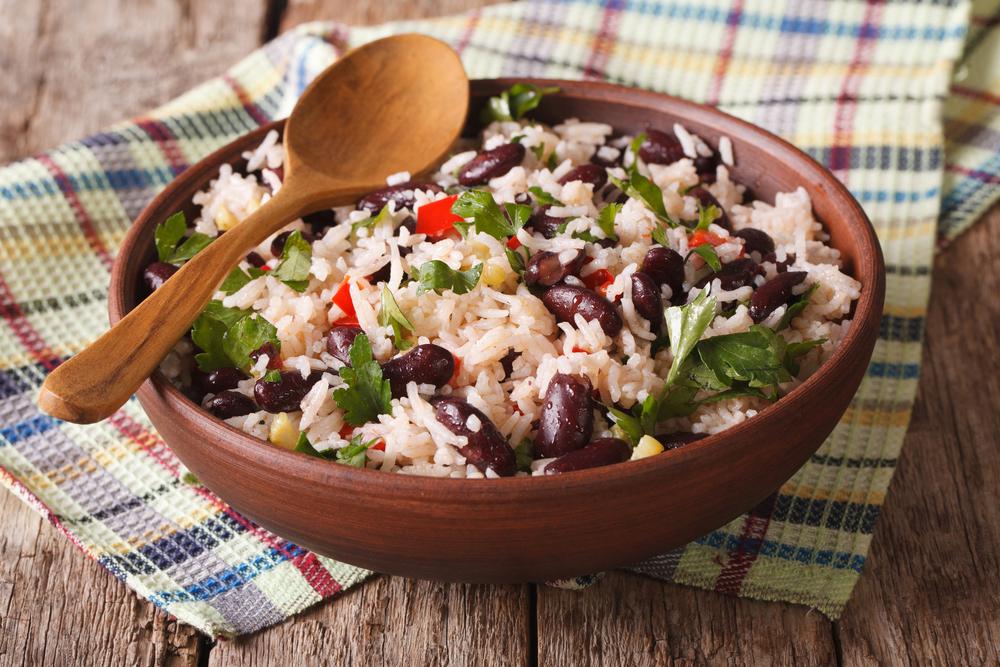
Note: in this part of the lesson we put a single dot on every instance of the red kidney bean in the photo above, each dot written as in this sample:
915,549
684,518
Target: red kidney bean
737,273
566,421
491,164
487,448
679,439
255,260
401,194
382,275
523,198
156,274
666,267
775,292
339,341
780,267
588,173
545,224
411,226
646,298
273,356
607,164
660,148
708,199
754,240
279,241
545,269
600,452
424,364
705,166
218,380
320,221
507,362
284,395
228,404
566,301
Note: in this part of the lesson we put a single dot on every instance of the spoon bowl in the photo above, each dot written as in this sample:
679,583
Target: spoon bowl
396,104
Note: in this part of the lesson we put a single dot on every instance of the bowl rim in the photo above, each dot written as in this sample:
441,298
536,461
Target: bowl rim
868,310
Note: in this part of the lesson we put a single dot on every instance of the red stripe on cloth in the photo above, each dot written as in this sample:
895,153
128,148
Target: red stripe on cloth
317,576
604,42
965,91
23,330
470,29
82,217
165,141
249,105
725,53
977,174
730,579
843,123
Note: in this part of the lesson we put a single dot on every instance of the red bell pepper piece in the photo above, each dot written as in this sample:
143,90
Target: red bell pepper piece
342,299
599,281
436,219
701,237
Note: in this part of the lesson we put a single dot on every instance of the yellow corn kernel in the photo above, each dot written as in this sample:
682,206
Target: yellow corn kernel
283,432
480,250
493,275
225,220
647,446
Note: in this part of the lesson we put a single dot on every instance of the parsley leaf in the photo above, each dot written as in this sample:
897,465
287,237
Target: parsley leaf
170,232
437,276
606,220
247,335
296,258
371,220
706,216
649,193
273,375
737,392
238,278
227,336
628,424
515,102
707,252
516,261
487,215
634,146
366,394
795,309
660,236
685,326
390,315
543,197
304,446
756,356
679,402
356,453
795,350
523,452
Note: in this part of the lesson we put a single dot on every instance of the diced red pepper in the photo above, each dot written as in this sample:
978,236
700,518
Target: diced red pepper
265,268
701,237
458,368
436,219
348,321
345,432
380,446
513,243
599,281
342,298
579,349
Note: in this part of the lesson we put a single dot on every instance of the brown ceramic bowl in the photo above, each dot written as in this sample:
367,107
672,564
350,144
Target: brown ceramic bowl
532,528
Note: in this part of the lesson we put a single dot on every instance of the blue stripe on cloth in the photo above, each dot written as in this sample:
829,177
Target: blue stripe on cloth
887,370
27,428
838,560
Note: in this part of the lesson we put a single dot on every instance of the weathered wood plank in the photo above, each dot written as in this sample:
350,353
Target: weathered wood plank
628,619
929,594
393,621
367,13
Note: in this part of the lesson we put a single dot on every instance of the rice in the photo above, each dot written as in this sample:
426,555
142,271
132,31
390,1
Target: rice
509,345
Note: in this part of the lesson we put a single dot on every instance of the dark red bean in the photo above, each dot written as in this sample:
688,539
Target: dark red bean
320,221
487,448
284,395
491,164
775,292
339,341
218,380
424,364
566,301
278,243
228,404
705,166
545,269
566,421
754,240
523,198
411,225
255,260
737,273
679,439
507,362
708,199
401,194
273,356
646,298
156,274
602,162
588,173
545,224
666,267
382,275
601,452
780,267
660,148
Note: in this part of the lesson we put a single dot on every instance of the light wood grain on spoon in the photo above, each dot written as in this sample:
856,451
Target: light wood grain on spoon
393,105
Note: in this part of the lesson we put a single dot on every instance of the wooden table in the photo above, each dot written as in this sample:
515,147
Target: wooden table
929,593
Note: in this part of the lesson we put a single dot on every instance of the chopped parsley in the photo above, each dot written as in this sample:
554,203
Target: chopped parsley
227,336
296,258
515,102
487,215
706,216
795,309
707,252
437,276
606,220
355,453
366,394
171,246
371,220
516,261
685,326
543,197
238,278
390,315
649,193
524,454
756,357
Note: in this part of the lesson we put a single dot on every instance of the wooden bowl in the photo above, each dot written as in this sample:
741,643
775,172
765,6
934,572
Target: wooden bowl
532,528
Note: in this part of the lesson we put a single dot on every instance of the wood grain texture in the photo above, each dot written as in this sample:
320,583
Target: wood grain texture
393,621
930,594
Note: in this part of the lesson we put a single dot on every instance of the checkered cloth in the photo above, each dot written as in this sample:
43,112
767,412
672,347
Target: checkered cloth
860,86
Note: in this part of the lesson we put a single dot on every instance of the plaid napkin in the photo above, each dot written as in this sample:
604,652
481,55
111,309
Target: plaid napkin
870,89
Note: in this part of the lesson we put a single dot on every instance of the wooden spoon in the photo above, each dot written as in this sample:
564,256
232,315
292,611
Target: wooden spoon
397,104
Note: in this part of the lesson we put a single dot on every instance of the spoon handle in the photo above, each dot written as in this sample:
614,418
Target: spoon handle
93,384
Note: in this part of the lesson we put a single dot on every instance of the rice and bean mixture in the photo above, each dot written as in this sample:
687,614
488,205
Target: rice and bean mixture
553,298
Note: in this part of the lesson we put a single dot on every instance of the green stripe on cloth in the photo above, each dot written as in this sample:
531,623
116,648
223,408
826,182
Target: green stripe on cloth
860,85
